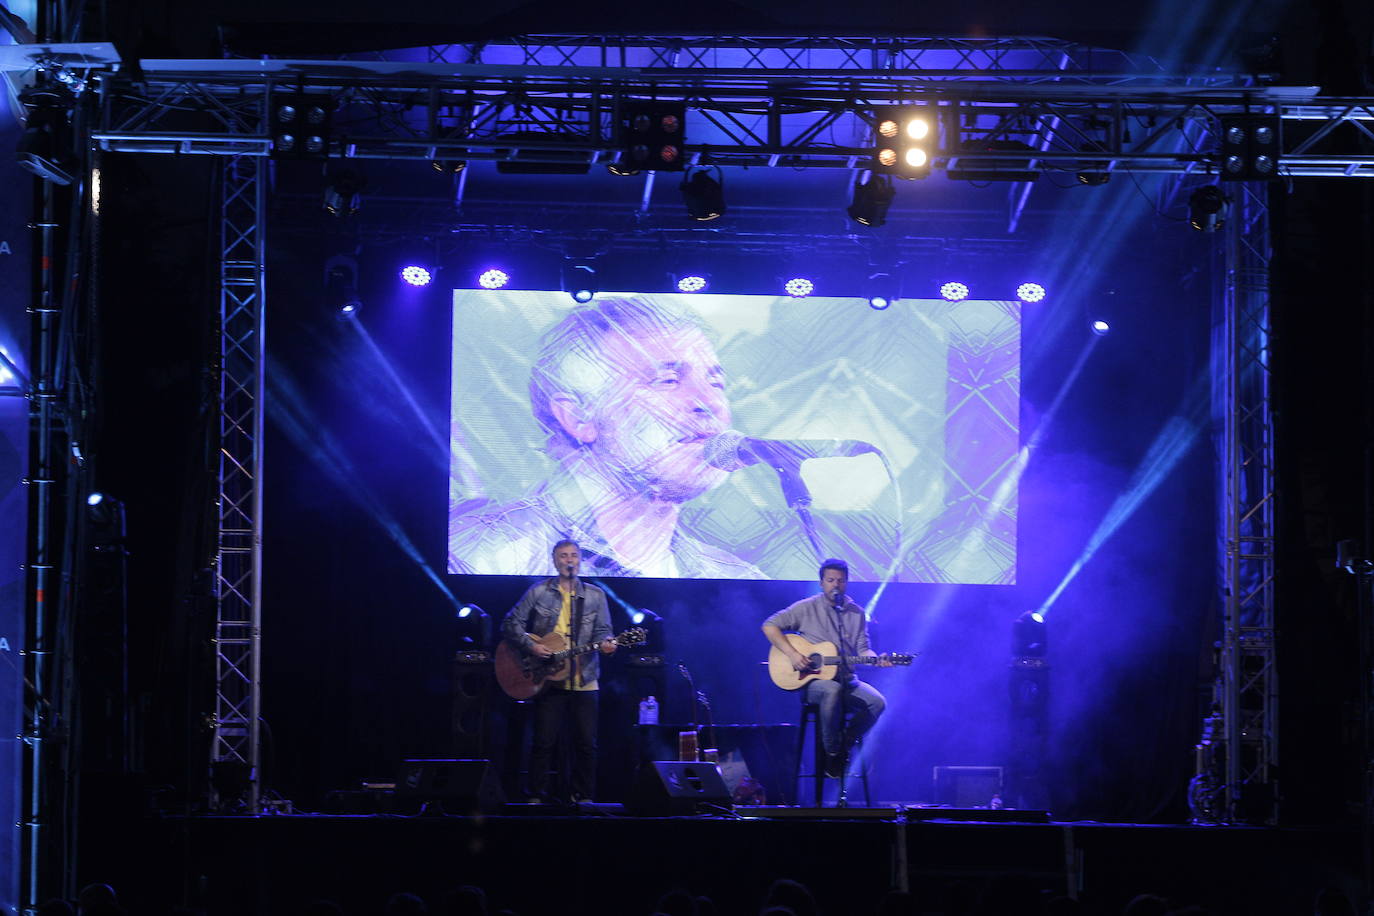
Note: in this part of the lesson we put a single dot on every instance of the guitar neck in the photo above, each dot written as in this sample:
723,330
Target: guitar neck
575,650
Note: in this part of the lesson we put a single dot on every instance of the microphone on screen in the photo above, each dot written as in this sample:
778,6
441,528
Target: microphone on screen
732,450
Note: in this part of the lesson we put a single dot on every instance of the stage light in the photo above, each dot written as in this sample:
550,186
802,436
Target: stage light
579,280
495,278
300,125
471,629
349,309
703,195
954,291
1092,172
903,140
880,288
1249,147
95,498
637,617
42,148
1015,167
1028,636
416,275
652,134
448,166
1208,208
798,287
1030,292
691,284
871,200
343,196
1100,327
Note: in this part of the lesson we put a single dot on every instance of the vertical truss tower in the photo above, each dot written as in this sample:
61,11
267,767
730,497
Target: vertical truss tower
234,753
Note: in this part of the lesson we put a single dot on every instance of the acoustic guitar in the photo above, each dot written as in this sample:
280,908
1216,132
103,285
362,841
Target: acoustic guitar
824,662
522,674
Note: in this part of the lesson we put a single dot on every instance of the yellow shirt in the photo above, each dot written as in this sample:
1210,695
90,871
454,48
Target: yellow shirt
564,628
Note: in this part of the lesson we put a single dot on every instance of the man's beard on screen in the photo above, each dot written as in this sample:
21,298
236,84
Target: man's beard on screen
675,473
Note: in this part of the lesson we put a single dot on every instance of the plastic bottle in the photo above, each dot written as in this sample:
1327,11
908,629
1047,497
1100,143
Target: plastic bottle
648,711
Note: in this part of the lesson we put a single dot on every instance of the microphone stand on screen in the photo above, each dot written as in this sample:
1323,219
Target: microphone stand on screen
732,450
798,498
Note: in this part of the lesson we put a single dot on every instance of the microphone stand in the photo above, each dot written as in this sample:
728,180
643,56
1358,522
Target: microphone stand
798,498
843,800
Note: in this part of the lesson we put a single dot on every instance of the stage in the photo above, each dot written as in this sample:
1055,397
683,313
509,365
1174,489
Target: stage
601,861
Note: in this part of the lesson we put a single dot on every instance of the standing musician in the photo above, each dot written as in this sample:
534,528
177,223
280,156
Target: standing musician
832,616
576,611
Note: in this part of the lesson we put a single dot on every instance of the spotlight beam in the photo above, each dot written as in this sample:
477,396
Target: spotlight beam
1170,445
308,433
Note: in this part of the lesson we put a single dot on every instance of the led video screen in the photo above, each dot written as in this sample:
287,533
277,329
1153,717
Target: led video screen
734,436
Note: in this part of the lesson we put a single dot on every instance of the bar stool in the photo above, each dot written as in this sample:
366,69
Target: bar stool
855,765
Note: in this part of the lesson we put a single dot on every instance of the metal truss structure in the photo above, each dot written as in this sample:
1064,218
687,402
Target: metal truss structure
1250,696
756,103
1236,771
1043,106
238,554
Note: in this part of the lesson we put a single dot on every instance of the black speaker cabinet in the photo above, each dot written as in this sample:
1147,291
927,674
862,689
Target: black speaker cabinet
460,786
672,788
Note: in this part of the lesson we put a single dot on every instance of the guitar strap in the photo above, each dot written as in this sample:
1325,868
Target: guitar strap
578,599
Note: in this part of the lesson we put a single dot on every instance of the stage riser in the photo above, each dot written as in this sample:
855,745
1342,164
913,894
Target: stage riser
521,862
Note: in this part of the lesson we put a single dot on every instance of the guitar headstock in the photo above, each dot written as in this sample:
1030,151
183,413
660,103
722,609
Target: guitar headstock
635,636
900,659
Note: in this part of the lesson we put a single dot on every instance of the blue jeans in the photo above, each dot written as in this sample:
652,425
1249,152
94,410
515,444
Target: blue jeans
833,698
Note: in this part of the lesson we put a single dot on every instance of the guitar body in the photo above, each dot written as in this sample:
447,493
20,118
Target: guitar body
824,662
522,675
788,678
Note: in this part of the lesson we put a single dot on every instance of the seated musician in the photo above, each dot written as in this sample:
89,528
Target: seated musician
576,611
832,616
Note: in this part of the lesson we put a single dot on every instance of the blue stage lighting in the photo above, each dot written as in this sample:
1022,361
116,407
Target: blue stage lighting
878,302
798,287
1030,292
582,295
1100,327
691,284
349,309
95,498
495,278
416,275
954,292
637,617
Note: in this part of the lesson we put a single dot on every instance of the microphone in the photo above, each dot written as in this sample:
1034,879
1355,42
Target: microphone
732,450
837,602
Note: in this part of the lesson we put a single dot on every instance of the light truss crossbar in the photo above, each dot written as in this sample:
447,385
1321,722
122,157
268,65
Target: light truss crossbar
489,112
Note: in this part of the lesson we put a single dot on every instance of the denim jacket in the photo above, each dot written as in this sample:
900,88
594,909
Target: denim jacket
536,613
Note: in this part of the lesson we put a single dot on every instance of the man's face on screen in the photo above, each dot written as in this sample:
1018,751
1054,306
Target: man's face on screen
663,395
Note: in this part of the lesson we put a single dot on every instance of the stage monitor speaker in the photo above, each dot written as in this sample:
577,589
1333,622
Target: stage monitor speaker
459,786
672,788
967,787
